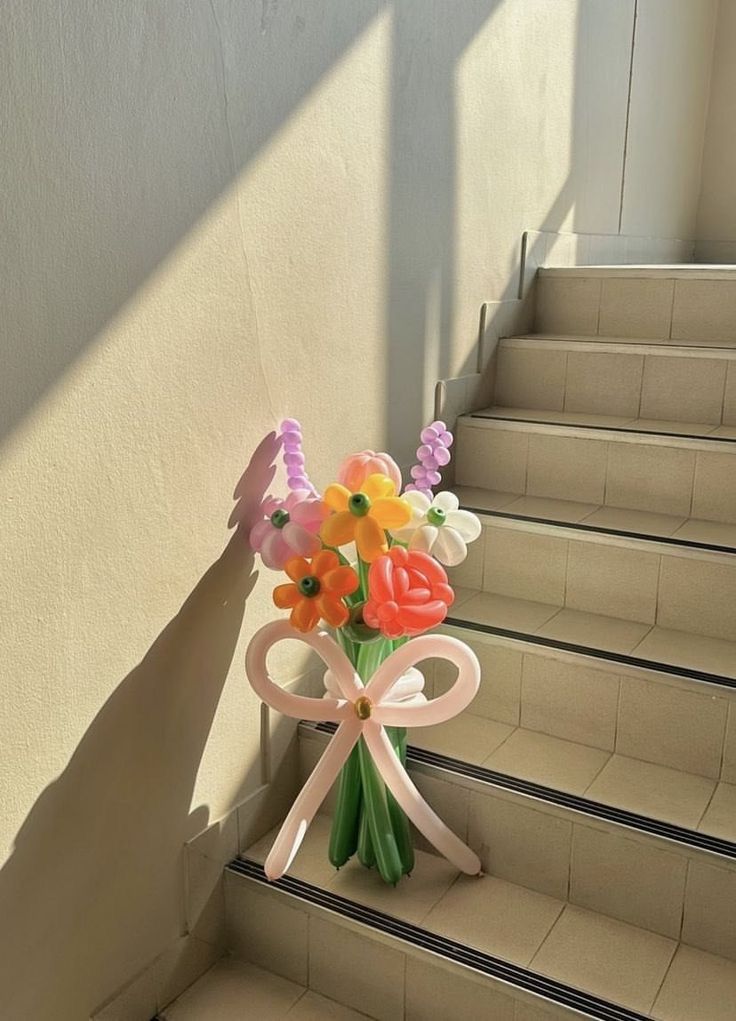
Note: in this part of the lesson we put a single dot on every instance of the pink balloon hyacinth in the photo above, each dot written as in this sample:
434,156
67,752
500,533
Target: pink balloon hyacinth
289,528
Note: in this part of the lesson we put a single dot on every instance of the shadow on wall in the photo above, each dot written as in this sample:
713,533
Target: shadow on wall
101,856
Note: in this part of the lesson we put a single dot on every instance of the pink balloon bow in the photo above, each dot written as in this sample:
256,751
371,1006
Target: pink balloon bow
363,712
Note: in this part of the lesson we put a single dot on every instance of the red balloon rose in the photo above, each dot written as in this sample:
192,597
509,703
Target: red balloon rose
408,593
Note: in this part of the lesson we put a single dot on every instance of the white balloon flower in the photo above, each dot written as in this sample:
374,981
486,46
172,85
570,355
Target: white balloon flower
438,527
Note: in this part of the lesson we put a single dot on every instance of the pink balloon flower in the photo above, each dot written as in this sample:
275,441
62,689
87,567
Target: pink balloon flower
356,468
288,528
408,593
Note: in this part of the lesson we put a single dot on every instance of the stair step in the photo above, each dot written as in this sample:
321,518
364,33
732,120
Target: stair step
680,304
655,428
630,643
634,383
687,477
232,990
644,581
718,536
445,945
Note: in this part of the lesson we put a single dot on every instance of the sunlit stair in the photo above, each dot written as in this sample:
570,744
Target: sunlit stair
595,771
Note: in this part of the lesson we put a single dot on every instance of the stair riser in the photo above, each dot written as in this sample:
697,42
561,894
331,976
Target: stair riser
683,724
633,876
672,310
363,968
628,384
677,588
678,477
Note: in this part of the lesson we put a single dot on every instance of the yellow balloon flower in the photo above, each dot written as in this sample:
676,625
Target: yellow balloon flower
363,516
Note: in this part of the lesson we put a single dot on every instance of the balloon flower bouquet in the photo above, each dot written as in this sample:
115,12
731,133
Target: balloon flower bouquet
368,561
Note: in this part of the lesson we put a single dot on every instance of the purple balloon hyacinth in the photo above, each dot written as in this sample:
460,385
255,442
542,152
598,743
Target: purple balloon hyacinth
296,476
433,454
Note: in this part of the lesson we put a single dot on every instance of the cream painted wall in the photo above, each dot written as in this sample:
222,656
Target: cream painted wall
717,210
215,214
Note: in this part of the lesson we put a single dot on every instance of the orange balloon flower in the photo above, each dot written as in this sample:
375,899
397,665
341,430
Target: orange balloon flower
362,517
317,591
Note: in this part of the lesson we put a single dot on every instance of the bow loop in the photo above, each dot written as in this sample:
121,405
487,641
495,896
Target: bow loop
302,706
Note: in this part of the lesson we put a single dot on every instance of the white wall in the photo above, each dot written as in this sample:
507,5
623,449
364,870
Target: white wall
716,228
215,215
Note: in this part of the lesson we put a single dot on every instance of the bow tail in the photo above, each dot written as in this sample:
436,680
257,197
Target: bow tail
424,818
311,796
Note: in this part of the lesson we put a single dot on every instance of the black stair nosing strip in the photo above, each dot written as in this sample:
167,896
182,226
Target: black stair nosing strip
580,526
451,950
622,658
605,428
563,799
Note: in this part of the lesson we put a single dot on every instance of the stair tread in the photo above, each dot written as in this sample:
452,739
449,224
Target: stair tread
592,338
619,345
232,990
591,631
592,952
614,519
659,792
586,420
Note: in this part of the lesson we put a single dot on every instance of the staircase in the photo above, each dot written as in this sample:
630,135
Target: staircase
595,772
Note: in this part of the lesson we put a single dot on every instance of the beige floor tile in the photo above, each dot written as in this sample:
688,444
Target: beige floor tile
657,791
265,930
574,702
231,988
594,631
709,921
499,694
343,966
530,377
698,986
504,612
525,565
483,499
720,817
434,991
528,1011
725,432
566,468
521,844
717,533
729,398
697,652
729,751
606,957
603,382
311,863
313,1007
669,426
685,389
652,478
671,726
449,801
635,308
572,418
411,900
704,310
462,596
550,510
495,916
642,522
612,581
568,306
714,491
467,737
636,882
548,760
698,595
492,459
469,574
